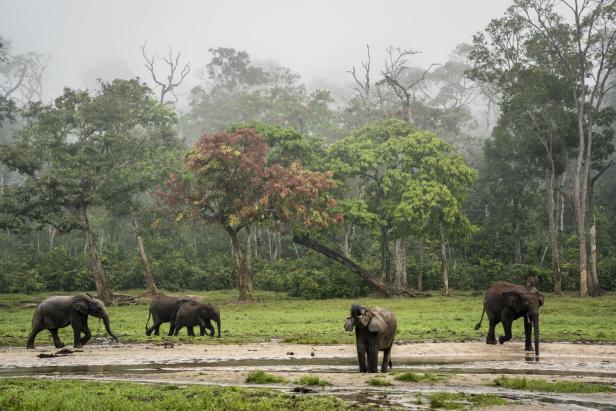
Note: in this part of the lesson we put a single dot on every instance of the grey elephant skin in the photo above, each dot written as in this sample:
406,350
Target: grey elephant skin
61,311
504,303
193,313
163,309
375,329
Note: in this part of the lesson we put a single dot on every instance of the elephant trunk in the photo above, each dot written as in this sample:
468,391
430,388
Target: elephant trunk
105,319
536,333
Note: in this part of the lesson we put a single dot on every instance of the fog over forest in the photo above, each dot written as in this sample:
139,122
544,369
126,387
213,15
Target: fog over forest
320,40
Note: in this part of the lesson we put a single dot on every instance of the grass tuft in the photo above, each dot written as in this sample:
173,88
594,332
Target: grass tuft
414,377
558,386
312,380
379,382
262,377
455,401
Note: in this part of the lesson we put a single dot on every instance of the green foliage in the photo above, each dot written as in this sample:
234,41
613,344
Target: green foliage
312,380
378,382
556,386
414,377
25,394
262,377
310,278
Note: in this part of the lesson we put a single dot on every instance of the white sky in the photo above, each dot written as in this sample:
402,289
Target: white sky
318,39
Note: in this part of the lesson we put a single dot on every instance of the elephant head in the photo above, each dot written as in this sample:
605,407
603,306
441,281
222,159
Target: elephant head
526,303
361,317
209,312
88,305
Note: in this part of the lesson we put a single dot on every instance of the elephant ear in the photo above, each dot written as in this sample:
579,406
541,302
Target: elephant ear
349,324
513,299
541,299
80,305
377,324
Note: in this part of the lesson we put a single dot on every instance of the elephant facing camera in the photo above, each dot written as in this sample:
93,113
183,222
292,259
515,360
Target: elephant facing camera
375,329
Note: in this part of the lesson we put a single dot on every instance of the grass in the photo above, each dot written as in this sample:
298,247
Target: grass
274,315
29,394
379,382
261,377
558,386
456,401
414,377
312,380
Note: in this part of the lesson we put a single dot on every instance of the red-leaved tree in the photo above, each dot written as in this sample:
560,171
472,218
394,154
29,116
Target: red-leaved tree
228,181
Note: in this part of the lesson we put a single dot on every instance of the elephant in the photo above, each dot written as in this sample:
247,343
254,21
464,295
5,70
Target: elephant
195,313
60,311
375,329
505,302
163,309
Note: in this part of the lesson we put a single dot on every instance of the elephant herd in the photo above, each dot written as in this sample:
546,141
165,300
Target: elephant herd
375,328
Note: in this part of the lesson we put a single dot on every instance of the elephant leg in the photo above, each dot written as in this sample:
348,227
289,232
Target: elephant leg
56,338
361,356
76,335
386,359
507,327
191,331
491,337
208,325
35,330
176,329
373,357
172,327
87,336
528,345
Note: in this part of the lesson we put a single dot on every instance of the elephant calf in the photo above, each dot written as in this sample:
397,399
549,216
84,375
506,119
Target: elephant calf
506,302
163,309
60,311
194,313
375,329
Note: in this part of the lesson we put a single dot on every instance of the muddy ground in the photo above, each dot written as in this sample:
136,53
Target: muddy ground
469,367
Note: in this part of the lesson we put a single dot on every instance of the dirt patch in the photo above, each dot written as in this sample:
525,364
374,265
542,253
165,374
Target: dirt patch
466,367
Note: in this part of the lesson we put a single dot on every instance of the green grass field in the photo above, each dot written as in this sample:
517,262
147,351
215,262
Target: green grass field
25,394
274,315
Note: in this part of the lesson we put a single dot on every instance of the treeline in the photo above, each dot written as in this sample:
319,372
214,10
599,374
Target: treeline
491,166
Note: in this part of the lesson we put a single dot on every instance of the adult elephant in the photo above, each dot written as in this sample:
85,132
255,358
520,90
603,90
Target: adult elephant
375,329
194,313
506,302
60,311
163,309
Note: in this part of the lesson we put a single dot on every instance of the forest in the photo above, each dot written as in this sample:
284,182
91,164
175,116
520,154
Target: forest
493,165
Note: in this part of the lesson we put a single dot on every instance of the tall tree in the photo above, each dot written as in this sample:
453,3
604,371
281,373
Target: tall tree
73,154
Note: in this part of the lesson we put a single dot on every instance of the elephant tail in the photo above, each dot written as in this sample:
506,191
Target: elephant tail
148,321
478,325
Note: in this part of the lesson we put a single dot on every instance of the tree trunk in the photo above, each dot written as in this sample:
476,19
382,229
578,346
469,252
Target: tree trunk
515,229
248,259
243,275
150,285
552,227
444,261
102,288
385,270
51,230
595,289
580,193
421,265
400,277
346,240
371,279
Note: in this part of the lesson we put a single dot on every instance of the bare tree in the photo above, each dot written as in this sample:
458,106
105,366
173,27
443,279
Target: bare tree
174,75
21,77
398,75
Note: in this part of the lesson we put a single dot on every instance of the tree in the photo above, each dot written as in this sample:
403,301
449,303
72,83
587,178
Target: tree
405,179
228,181
74,154
172,78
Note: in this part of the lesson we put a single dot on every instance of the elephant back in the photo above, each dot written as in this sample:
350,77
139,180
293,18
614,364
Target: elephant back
386,337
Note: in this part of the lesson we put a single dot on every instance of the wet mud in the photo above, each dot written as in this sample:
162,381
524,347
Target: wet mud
466,367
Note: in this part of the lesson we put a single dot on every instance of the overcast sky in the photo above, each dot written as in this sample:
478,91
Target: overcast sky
319,39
